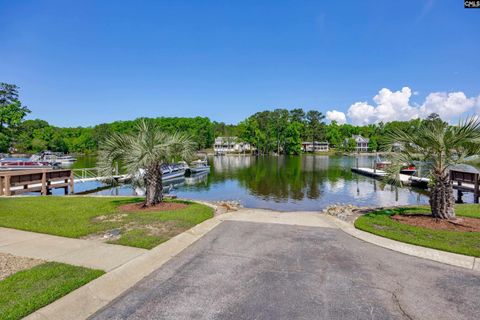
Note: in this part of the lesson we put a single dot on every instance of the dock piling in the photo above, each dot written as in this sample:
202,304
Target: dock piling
44,183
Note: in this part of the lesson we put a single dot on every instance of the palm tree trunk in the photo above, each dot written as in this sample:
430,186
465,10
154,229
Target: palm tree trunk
153,186
441,198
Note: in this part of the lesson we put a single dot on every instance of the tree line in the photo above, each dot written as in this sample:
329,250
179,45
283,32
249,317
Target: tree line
270,131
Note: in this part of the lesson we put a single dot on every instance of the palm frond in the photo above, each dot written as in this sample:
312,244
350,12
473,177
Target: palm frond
148,146
435,143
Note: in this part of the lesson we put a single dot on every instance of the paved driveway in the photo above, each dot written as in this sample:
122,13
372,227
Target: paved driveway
245,270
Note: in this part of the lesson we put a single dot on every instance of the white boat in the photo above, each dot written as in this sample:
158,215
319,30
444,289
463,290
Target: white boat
65,159
169,172
173,171
406,168
199,166
54,157
24,164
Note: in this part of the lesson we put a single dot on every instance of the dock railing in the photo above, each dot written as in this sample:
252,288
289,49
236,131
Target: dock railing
38,180
471,178
92,174
85,173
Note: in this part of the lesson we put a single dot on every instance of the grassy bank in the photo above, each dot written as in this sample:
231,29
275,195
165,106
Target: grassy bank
29,290
77,217
380,223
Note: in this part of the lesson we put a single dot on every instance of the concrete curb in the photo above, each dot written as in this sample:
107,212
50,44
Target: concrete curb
86,300
454,259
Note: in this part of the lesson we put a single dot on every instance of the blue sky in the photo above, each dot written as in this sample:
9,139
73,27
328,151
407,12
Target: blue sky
87,62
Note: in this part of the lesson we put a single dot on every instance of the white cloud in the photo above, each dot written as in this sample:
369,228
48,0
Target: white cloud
337,116
395,105
361,113
447,105
390,106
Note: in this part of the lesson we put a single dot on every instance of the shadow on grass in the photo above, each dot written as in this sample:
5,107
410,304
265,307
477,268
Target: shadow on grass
403,210
124,201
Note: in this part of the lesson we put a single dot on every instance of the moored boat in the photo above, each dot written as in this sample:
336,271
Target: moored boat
173,171
170,172
406,168
54,157
24,164
198,166
66,159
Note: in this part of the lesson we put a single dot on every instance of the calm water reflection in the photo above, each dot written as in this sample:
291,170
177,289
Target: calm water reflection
285,183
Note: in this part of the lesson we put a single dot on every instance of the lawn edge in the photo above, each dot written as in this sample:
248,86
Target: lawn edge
93,274
450,258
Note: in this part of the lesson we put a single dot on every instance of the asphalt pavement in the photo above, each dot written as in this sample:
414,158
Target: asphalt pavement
247,270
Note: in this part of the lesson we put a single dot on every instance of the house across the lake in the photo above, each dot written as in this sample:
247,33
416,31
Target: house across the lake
230,145
361,143
315,146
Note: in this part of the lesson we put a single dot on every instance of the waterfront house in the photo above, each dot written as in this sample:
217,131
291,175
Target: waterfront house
361,143
230,145
315,146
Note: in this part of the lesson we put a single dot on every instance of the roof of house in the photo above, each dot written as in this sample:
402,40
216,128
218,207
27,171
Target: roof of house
316,142
230,139
359,138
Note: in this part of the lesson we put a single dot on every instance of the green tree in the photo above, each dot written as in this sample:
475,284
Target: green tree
373,144
279,124
315,125
297,115
351,145
293,139
333,134
12,112
142,155
439,146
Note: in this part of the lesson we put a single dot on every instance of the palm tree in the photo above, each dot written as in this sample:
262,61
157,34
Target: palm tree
440,146
142,155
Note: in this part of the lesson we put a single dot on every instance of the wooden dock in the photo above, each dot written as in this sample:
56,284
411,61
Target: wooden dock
42,180
467,181
404,178
461,181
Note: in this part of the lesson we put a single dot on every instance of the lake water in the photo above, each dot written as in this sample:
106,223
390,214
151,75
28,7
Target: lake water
309,182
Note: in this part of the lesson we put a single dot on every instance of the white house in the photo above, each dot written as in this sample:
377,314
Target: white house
315,146
362,143
230,145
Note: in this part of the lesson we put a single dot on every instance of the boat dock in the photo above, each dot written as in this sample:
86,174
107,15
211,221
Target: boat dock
91,174
405,179
465,182
15,182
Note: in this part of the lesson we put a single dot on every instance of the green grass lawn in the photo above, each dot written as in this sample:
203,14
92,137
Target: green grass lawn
29,290
77,217
380,223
